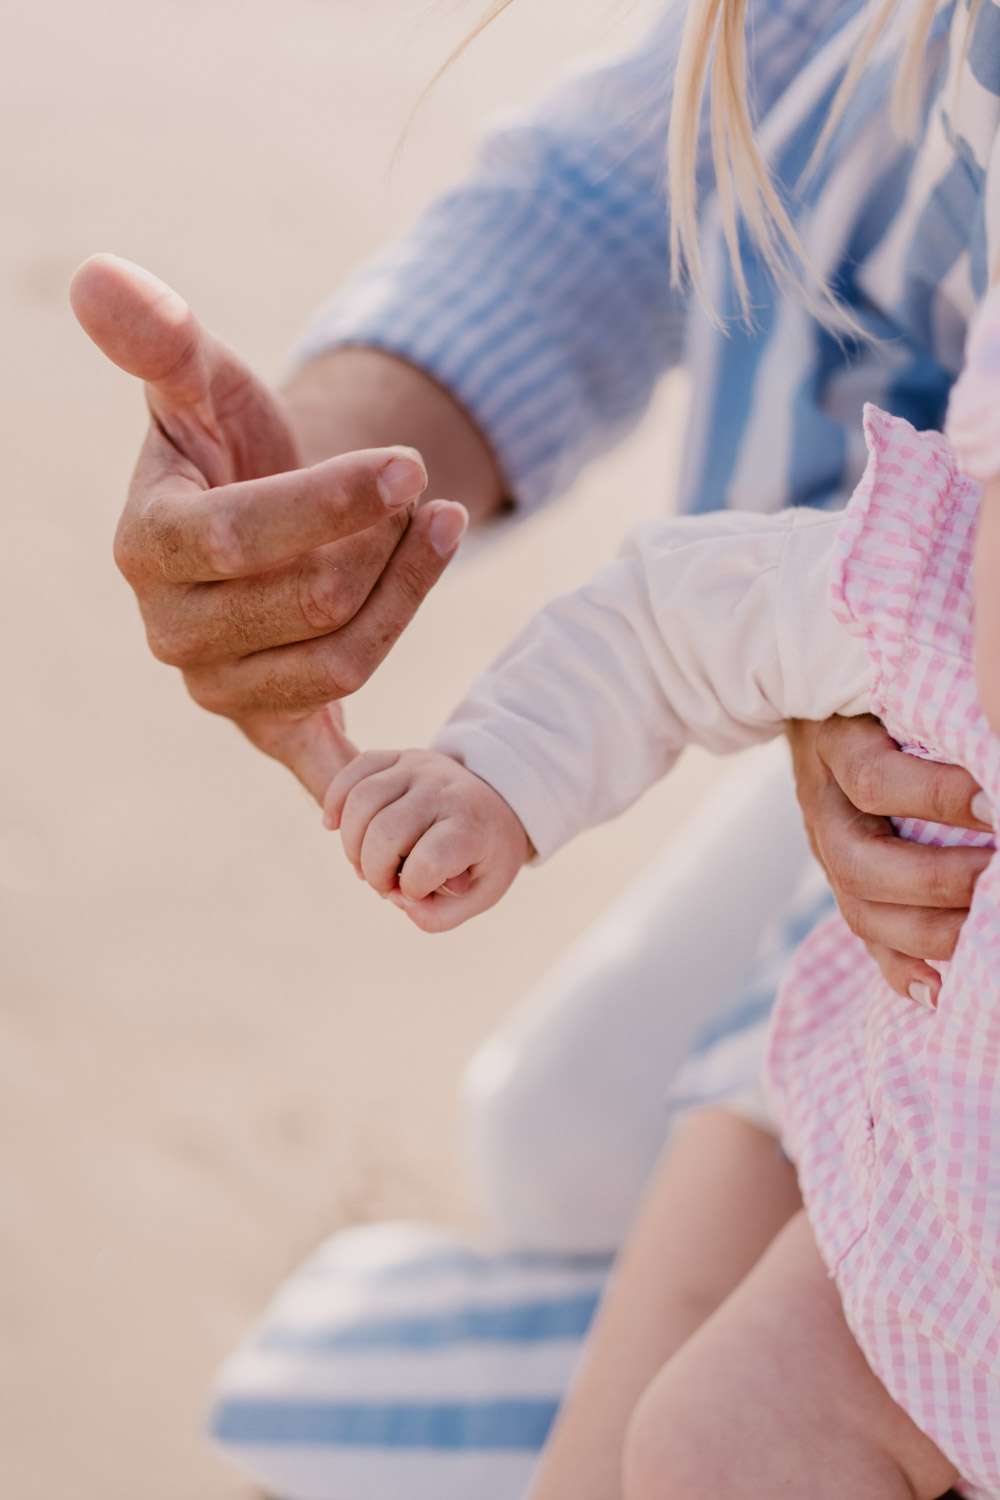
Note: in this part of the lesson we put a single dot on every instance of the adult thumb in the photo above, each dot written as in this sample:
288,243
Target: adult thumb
144,327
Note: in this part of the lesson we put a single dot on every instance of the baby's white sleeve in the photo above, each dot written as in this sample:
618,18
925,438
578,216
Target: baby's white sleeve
711,630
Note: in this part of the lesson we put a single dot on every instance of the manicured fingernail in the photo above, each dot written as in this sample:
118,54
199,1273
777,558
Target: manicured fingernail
447,527
981,809
402,480
921,994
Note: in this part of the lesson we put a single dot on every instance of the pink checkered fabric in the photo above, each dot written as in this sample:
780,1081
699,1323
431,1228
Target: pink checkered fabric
892,1112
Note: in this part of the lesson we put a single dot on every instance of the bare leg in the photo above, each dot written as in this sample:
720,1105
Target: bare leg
720,1197
773,1397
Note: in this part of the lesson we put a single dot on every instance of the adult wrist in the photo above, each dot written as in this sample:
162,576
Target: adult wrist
360,397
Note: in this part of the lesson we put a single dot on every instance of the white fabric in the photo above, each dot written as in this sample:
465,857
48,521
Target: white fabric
710,630
567,1107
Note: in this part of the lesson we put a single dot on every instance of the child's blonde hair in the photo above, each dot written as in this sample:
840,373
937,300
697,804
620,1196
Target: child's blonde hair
712,60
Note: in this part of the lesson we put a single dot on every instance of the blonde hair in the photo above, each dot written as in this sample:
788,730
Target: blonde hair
712,60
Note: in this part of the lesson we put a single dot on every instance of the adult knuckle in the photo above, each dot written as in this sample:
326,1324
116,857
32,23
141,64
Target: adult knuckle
939,934
167,645
835,837
836,736
411,582
126,554
221,545
817,735
335,675
847,873
864,779
324,596
344,675
208,692
938,885
335,494
854,914
162,539
939,809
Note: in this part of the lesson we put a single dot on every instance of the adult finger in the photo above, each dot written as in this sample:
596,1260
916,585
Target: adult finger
909,977
917,932
316,594
315,747
242,529
878,778
866,860
297,678
145,328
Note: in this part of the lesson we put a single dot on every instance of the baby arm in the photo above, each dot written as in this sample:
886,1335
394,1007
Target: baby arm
974,430
709,630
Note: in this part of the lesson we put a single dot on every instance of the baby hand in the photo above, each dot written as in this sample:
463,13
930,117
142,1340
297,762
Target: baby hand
414,821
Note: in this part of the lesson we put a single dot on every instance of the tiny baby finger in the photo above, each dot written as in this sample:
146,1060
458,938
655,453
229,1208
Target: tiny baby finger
390,836
446,850
363,803
346,780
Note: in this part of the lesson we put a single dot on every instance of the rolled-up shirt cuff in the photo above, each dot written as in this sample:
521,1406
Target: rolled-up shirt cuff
467,329
547,318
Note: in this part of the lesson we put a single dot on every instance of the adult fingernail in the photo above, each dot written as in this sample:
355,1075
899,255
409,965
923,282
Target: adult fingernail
447,527
981,809
921,993
401,481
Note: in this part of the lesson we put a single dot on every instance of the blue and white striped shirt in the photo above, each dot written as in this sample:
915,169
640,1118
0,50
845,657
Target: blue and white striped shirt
539,291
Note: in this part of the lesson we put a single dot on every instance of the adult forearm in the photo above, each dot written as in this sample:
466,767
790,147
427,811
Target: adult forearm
364,398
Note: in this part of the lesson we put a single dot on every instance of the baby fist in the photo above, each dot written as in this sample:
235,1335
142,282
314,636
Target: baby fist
422,830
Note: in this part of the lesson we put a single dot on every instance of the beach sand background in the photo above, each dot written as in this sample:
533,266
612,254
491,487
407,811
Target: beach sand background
216,1046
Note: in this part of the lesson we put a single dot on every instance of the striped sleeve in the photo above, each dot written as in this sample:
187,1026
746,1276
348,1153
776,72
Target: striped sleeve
538,292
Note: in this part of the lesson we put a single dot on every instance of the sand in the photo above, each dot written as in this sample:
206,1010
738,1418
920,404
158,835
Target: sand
216,1047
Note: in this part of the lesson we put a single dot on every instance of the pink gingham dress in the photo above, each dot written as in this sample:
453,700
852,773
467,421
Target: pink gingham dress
892,1112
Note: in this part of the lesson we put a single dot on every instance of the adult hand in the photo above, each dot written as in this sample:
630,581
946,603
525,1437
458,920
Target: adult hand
276,589
906,901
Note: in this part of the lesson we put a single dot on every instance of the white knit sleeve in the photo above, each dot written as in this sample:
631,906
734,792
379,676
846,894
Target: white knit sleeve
711,630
